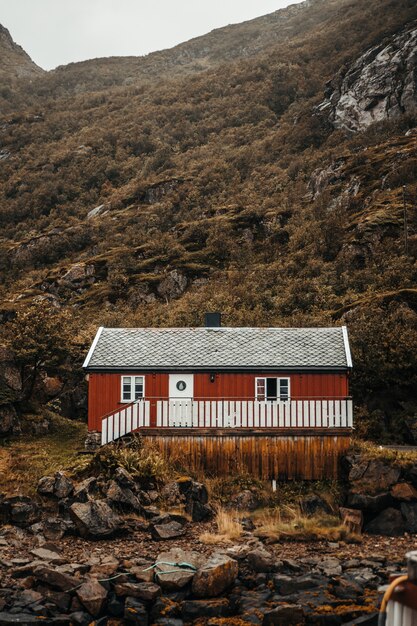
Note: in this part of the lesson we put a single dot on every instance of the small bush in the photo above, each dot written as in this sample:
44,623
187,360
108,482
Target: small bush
142,463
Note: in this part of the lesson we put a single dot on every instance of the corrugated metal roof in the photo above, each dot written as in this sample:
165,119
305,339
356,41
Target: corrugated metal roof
219,348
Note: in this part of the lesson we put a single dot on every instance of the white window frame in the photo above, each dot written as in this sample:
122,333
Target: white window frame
132,388
278,379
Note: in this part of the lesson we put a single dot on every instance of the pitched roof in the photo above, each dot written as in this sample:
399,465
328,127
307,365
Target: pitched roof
219,348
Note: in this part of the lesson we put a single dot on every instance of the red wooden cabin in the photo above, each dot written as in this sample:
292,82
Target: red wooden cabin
214,381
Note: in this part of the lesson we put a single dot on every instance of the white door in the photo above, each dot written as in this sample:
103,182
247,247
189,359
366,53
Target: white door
181,393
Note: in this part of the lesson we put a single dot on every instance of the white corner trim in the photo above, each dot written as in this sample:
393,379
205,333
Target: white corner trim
93,346
347,346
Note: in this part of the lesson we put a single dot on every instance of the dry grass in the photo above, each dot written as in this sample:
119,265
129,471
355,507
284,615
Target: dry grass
228,528
288,523
398,457
24,461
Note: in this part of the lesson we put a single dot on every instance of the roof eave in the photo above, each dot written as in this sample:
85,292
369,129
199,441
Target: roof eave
347,347
216,368
93,347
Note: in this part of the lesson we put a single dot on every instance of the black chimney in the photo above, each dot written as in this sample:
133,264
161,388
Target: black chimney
213,320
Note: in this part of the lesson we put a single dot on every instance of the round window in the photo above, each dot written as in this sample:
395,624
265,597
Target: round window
181,385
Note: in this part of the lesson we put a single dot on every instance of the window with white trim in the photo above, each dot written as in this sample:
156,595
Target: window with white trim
271,388
133,388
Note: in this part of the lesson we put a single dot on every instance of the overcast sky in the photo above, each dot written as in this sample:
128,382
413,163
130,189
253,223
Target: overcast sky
56,32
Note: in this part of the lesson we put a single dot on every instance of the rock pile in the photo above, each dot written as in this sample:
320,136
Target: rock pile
241,584
91,508
384,493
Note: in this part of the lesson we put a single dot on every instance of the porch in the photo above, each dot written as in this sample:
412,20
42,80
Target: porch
205,416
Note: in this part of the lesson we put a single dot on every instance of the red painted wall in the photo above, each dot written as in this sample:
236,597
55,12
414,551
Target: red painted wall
104,390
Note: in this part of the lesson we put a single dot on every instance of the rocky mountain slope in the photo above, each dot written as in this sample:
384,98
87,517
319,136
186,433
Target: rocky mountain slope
15,62
15,66
223,45
263,177
380,85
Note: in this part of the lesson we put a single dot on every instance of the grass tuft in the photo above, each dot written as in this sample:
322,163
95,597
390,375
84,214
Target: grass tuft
229,528
288,523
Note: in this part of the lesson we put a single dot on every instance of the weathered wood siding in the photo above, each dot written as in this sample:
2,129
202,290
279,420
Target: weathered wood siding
307,456
104,389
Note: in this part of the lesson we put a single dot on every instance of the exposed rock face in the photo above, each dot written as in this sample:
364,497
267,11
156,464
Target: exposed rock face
373,476
381,84
173,285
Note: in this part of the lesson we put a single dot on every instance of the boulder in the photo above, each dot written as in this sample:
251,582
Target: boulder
330,566
404,492
80,618
148,592
48,555
171,494
390,522
369,504
142,573
107,567
219,573
284,615
123,478
84,489
55,578
92,596
194,609
123,497
352,519
95,519
58,486
260,560
409,511
192,490
199,512
135,612
46,486
346,589
167,526
173,285
172,577
245,500
314,505
165,608
372,476
19,510
287,585
54,528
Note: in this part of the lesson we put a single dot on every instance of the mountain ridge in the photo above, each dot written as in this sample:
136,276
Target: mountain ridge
15,62
226,189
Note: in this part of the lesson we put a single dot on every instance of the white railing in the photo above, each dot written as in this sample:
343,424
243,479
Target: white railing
335,413
320,414
124,421
400,615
